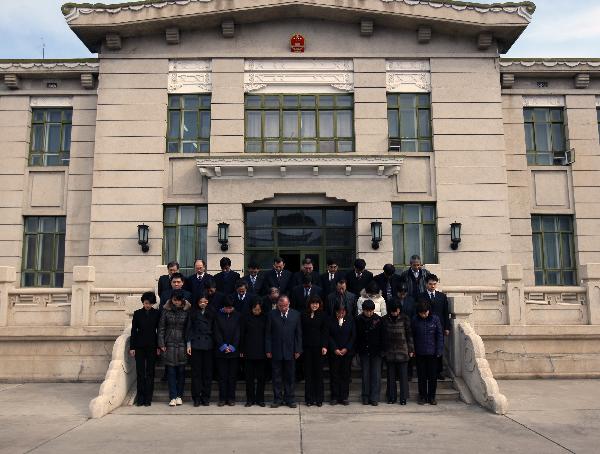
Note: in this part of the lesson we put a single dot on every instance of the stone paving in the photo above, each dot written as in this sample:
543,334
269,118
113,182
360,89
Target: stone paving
546,416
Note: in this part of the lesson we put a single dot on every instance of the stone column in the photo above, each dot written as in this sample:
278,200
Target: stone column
83,280
461,308
8,279
512,275
590,275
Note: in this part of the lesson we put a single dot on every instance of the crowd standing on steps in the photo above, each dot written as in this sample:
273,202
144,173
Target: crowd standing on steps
279,325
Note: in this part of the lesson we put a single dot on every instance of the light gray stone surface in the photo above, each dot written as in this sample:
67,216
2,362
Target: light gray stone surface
547,416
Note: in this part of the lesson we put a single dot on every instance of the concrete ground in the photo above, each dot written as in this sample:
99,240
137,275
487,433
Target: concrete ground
546,416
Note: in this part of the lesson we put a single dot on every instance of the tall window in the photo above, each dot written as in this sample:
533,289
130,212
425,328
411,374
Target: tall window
553,250
184,237
43,251
545,135
50,137
299,123
409,122
414,232
188,130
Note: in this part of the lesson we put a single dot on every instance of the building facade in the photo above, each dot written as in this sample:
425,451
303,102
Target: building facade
299,124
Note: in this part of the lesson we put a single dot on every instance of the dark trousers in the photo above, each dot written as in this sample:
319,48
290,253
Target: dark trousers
145,362
284,376
228,369
176,379
427,374
202,370
255,380
313,375
397,370
371,377
339,370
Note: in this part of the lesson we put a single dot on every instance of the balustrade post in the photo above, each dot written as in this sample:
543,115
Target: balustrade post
8,280
512,275
83,280
590,276
461,308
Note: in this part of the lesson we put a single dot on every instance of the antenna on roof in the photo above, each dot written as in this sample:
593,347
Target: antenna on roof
43,47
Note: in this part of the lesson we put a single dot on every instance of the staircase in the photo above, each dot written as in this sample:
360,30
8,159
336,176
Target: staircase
445,389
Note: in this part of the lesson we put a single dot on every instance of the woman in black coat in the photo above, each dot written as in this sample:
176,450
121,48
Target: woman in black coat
314,339
228,335
253,351
342,334
200,349
143,346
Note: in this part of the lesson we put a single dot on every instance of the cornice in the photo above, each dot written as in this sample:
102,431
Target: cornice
17,67
549,64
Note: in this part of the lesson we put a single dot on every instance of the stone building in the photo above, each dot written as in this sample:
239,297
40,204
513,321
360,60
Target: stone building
300,123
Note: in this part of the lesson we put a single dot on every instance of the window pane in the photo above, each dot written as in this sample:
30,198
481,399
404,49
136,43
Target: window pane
308,146
397,212
292,237
393,130
528,115
59,263
55,116
536,223
30,252
205,124
308,126
312,217
271,146
308,101
424,123
259,218
174,117
200,243
202,215
253,146
66,138
187,215
565,224
344,124
408,125
290,124
429,243
259,238
392,100
344,101
253,124
290,146
186,247
398,242
48,224
190,125
556,115
326,146
412,213
566,252
190,147
325,101
340,237
326,124
170,215
253,102
339,218
558,139
170,244
537,250
344,145
548,223
271,101
54,138
271,124
191,102
38,115
412,240
47,251
540,115
542,137
290,101
37,138
551,250
529,143
205,101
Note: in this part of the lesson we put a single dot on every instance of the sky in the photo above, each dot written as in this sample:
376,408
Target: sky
560,28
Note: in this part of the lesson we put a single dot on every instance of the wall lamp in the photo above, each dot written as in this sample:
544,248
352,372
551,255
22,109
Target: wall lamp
143,231
376,234
455,234
223,235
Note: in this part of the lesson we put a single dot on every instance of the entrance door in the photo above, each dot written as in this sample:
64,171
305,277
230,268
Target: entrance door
294,233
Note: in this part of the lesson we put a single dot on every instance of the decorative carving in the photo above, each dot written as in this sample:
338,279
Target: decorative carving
11,81
51,101
543,101
408,76
190,76
44,67
423,34
556,298
275,75
172,35
366,27
582,80
87,81
228,28
484,40
549,63
507,80
113,41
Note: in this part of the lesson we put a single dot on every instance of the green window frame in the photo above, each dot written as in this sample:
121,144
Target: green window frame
188,128
43,261
545,135
409,122
414,231
553,250
50,143
292,123
184,235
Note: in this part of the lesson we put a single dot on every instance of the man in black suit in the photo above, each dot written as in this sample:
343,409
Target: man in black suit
359,277
439,307
226,279
308,269
164,282
269,301
255,280
331,277
283,344
388,282
341,296
175,284
195,283
216,299
300,294
242,299
278,276
415,277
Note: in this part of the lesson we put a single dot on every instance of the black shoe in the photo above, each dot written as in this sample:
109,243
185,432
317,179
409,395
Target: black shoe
139,403
402,402
205,403
391,401
365,402
333,402
319,404
196,403
261,404
248,404
147,404
345,402
275,405
231,403
374,403
221,404
433,402
309,404
422,401
440,377
292,405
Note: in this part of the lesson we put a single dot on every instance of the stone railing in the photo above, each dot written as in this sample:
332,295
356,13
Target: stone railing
81,305
467,362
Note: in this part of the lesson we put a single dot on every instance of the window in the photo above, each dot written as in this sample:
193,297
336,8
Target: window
43,252
299,123
184,237
598,120
553,250
50,137
545,135
188,130
409,122
414,232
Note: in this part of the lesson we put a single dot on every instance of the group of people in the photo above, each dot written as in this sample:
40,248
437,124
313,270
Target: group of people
272,321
